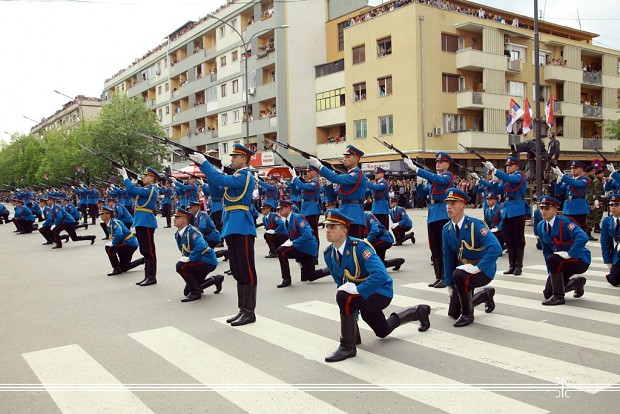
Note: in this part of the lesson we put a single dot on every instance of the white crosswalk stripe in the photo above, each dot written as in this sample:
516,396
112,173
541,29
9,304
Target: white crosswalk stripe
374,368
537,288
588,272
526,363
539,280
72,365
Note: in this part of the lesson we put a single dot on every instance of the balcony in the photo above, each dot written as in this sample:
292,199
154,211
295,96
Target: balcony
593,77
580,145
482,100
484,140
592,144
590,111
189,62
333,116
330,150
514,66
477,60
557,108
201,138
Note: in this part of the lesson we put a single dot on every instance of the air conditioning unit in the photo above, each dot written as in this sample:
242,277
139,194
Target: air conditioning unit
252,91
437,131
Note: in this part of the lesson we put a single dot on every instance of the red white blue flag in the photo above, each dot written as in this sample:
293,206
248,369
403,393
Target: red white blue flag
527,117
549,111
514,113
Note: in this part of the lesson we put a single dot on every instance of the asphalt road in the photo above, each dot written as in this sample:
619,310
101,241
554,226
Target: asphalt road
103,345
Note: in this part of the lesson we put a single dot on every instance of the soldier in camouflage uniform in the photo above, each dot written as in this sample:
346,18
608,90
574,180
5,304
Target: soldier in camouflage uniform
594,197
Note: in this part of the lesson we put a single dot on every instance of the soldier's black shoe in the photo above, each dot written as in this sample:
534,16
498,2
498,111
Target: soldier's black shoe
489,305
439,285
92,239
464,320
401,261
270,256
150,280
141,282
234,317
285,283
58,246
65,238
46,243
116,271
218,279
434,283
192,297
244,319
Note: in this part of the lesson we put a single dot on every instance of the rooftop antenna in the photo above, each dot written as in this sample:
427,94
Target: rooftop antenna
578,19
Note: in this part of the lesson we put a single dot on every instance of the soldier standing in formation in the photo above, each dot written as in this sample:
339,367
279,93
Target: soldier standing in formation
596,199
575,189
610,240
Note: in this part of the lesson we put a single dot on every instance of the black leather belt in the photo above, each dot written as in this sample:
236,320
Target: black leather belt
575,198
514,199
350,202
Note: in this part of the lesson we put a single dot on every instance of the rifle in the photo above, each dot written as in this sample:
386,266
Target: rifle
188,151
602,156
131,174
473,151
285,161
402,154
307,156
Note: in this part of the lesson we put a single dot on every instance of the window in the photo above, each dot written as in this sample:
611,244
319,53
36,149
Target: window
384,47
165,63
224,119
384,86
273,75
235,55
159,90
233,23
222,32
449,83
223,61
386,125
236,115
167,110
516,88
544,57
359,91
341,27
449,43
330,99
159,114
167,87
235,86
359,54
212,94
516,52
360,128
453,123
224,148
223,90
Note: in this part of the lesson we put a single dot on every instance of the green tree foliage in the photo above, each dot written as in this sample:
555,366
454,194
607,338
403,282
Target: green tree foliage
613,128
20,160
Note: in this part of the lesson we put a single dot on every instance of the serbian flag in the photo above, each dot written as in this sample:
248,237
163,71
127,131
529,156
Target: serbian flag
527,117
514,113
549,111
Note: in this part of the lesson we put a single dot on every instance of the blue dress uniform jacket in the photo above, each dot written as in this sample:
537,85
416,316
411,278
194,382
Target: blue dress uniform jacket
610,238
301,234
120,234
236,218
360,265
310,196
146,200
193,245
376,231
537,219
70,209
513,186
351,193
217,194
475,245
576,189
166,192
37,210
274,222
493,217
380,194
399,215
79,192
566,236
122,213
613,185
187,192
60,215
23,213
270,191
48,217
329,193
205,225
295,192
439,187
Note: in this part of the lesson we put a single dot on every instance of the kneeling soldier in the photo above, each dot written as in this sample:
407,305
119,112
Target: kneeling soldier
363,285
123,243
610,240
401,223
470,253
564,249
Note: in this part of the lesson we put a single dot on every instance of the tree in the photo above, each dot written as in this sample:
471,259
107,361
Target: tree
20,160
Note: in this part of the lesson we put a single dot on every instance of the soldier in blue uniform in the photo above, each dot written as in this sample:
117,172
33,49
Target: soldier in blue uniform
239,227
364,286
205,225
269,189
301,244
352,191
295,193
515,210
23,218
310,204
73,212
565,253
144,220
93,210
437,215
470,254
610,240
493,217
275,230
215,212
380,194
4,214
122,244
63,221
575,189
381,240
401,223
45,226
165,193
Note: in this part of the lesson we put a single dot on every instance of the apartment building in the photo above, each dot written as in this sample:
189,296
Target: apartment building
430,75
195,80
70,115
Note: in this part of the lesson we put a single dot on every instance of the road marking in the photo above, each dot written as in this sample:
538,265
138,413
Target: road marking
499,356
209,365
540,281
588,272
565,310
72,365
374,368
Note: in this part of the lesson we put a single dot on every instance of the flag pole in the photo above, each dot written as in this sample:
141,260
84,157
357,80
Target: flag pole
539,190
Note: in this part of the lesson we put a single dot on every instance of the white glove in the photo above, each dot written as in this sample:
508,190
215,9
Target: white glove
350,288
609,266
287,243
469,268
475,176
222,168
53,227
112,187
488,165
198,158
270,231
315,162
494,230
410,164
109,244
173,180
184,259
134,181
559,179
563,255
393,226
199,181
450,291
293,172
256,177
618,247
123,173
419,180
596,203
557,171
611,168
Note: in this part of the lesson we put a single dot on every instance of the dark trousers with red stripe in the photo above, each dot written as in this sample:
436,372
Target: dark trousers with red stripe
146,239
217,220
568,268
357,230
274,241
47,234
194,273
514,232
120,255
241,258
166,212
399,233
306,261
70,229
435,244
381,247
614,275
313,221
384,219
93,212
84,211
371,310
465,282
580,219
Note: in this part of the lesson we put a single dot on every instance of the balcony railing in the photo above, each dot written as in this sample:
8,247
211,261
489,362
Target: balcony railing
589,143
514,65
593,77
557,107
213,76
592,111
476,98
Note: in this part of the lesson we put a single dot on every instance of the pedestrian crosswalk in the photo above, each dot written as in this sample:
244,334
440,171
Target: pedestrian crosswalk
519,316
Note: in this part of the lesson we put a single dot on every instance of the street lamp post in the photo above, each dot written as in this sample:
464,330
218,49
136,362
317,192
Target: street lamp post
245,49
77,102
30,119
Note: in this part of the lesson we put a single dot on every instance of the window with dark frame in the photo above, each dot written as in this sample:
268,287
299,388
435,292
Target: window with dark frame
449,43
359,54
359,91
449,82
384,46
384,86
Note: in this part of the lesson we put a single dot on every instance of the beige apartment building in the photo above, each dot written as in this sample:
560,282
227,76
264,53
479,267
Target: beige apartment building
426,77
70,115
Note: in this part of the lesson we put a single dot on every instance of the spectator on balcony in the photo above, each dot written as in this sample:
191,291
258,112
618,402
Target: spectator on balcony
553,151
